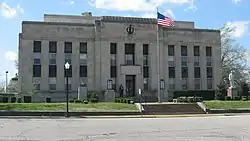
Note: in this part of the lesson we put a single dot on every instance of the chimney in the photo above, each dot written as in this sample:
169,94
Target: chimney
87,14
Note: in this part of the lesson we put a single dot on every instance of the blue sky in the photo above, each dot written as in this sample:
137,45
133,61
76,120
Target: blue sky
205,14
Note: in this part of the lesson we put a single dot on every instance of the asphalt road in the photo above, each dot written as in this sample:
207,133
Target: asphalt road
235,128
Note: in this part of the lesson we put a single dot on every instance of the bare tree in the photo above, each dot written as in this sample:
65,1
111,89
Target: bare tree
233,56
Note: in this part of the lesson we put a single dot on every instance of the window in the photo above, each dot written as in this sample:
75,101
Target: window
36,70
113,83
209,72
36,86
197,72
184,84
171,72
208,51
113,71
83,71
52,86
145,60
37,61
83,59
37,46
52,58
145,49
52,47
196,51
171,84
129,48
113,48
67,58
113,59
171,50
145,84
129,59
209,84
52,71
196,61
171,63
52,83
83,48
184,61
69,71
197,84
68,47
184,51
184,72
145,72
209,61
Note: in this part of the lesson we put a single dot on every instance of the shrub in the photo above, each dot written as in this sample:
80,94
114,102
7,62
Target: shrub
13,99
182,99
237,98
190,99
198,99
27,99
71,101
19,100
5,99
93,100
228,98
85,101
205,94
244,98
48,100
93,97
78,101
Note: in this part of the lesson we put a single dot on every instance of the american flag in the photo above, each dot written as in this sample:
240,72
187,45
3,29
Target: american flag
164,20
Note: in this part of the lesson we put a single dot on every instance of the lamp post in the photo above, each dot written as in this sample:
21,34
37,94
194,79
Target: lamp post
6,83
67,66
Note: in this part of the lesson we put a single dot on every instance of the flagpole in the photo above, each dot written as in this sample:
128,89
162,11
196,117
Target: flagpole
158,61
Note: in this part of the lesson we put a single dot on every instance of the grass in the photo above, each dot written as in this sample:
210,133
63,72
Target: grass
73,107
215,104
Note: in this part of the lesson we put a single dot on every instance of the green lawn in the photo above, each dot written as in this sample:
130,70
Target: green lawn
227,104
73,107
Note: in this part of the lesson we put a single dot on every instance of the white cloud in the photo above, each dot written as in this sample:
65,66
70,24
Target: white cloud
8,64
240,28
135,5
9,12
236,1
68,2
72,2
170,13
10,55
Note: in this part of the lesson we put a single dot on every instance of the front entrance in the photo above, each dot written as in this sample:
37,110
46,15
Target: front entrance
130,85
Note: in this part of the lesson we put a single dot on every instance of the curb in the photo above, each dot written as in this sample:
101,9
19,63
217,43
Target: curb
117,117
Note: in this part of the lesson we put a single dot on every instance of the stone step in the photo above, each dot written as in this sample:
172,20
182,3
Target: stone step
173,109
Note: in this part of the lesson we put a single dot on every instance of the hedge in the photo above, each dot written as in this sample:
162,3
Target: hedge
206,95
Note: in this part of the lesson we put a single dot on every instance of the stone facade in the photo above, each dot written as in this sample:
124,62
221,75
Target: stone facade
98,33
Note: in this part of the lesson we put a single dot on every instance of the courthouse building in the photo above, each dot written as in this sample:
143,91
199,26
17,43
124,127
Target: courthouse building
121,49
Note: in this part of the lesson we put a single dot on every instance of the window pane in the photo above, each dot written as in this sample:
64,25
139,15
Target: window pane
36,70
145,72
145,49
196,51
171,50
83,71
171,71
83,48
113,71
68,47
113,48
37,61
52,47
183,50
197,72
184,72
37,46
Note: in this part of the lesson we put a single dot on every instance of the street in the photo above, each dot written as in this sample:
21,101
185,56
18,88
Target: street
226,128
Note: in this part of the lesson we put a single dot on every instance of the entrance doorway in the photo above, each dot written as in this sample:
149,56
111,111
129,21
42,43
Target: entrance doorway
130,85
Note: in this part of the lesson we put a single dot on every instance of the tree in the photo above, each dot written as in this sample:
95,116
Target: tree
233,56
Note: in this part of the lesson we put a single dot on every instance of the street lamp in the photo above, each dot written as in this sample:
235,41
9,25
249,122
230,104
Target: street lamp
67,66
6,83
